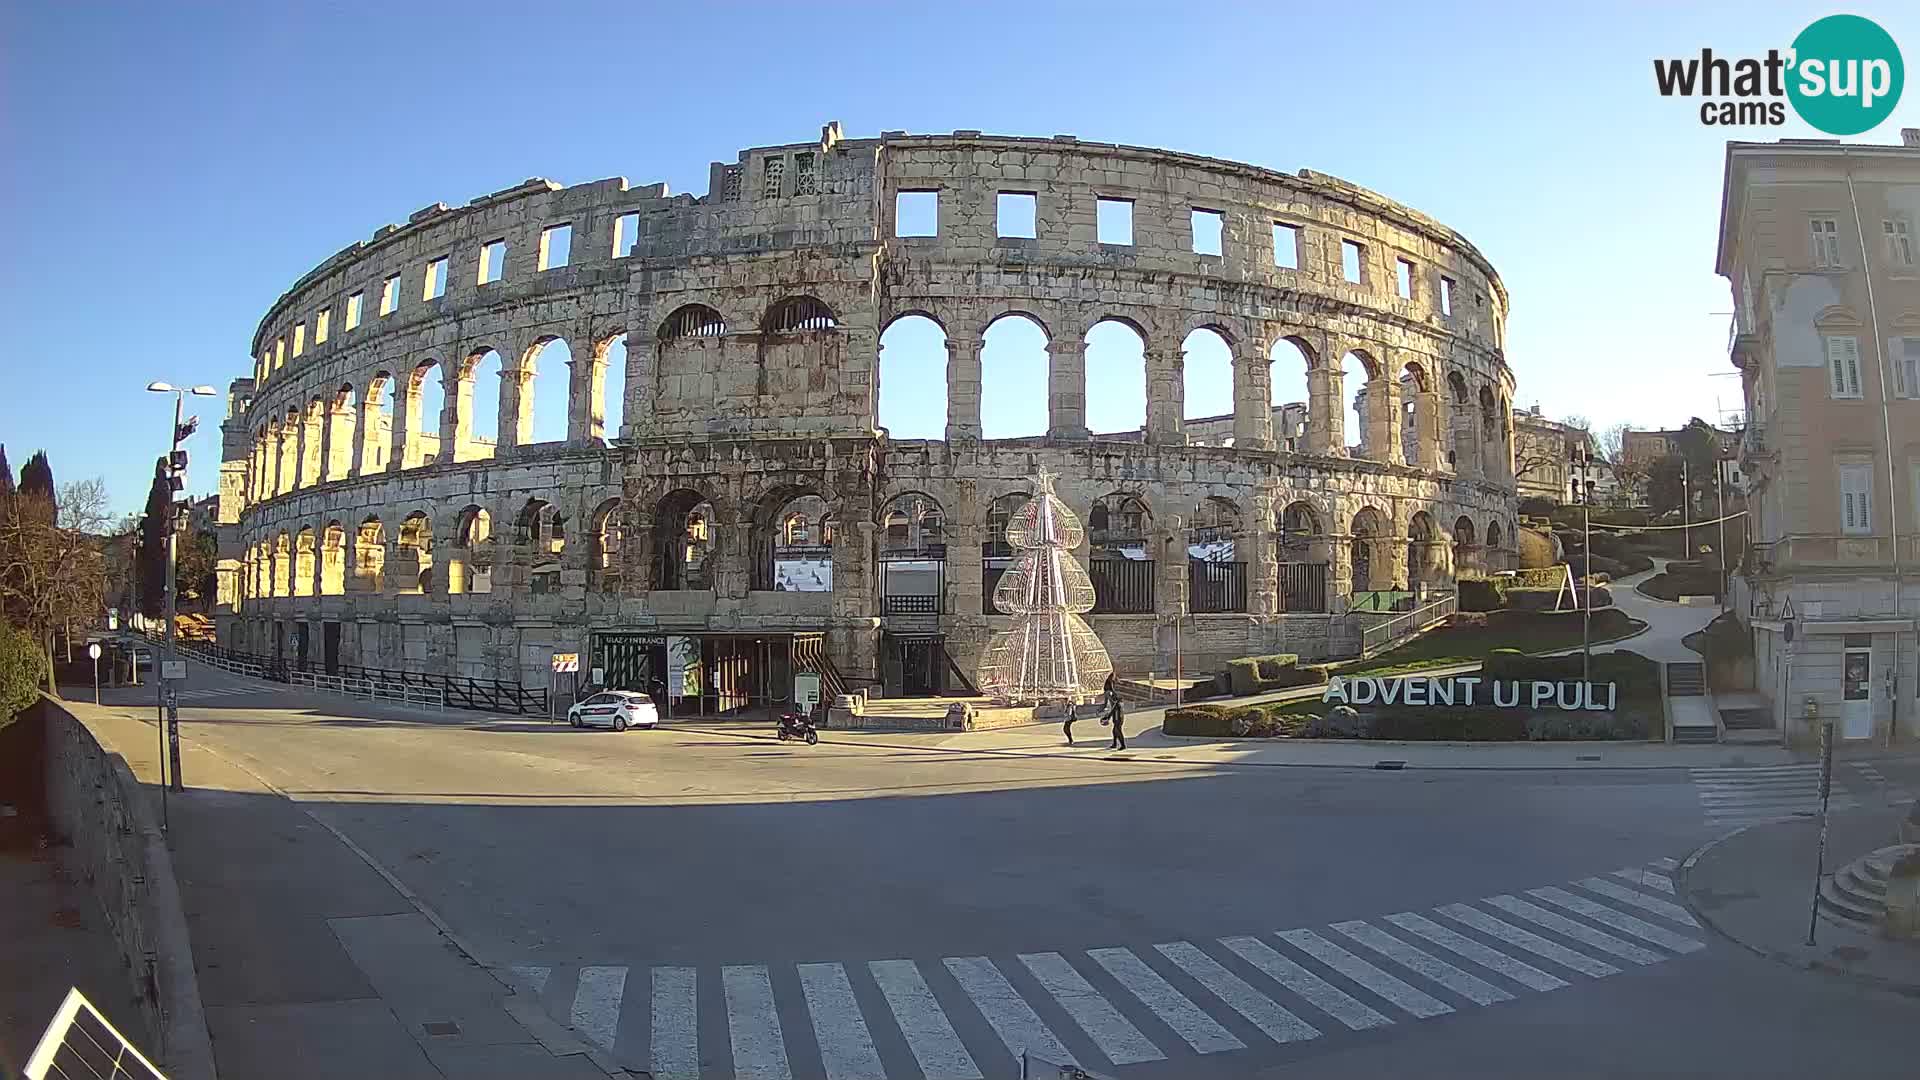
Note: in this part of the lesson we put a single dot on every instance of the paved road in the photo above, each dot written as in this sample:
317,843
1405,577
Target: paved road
767,909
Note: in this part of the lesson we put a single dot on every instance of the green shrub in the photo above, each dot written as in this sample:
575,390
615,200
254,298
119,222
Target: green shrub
22,669
1483,594
1339,723
1256,674
1533,598
1201,720
1244,675
1275,666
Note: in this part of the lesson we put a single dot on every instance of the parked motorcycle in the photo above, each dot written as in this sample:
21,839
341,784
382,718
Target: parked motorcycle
795,725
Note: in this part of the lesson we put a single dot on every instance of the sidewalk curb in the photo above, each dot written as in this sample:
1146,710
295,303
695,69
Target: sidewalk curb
557,1040
1910,989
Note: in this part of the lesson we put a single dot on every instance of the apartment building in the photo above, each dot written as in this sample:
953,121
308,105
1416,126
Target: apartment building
1542,456
1818,241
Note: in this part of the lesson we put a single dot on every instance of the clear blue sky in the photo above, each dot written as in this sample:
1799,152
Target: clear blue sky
171,168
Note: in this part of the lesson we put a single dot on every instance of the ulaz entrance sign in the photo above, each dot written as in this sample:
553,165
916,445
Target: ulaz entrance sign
1468,690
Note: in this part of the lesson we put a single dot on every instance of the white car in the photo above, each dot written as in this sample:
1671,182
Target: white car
617,709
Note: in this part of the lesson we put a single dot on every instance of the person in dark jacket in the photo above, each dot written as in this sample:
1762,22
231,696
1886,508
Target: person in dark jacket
1115,717
1072,705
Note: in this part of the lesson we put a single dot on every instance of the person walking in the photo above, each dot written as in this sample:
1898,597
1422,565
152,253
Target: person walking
1115,717
1072,706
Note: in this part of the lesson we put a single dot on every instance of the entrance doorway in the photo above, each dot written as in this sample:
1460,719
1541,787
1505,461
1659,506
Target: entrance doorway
330,646
1856,688
914,665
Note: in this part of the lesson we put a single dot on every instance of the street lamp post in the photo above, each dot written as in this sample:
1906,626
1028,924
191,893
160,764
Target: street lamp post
173,470
1580,461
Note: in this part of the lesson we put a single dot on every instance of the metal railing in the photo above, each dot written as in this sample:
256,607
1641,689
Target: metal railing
1122,586
379,684
1390,631
371,689
1214,587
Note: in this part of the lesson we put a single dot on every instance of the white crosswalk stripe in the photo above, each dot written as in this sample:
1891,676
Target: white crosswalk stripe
1664,908
1492,959
1175,1009
1018,1026
1473,988
929,1035
1664,863
1119,1040
1737,796
759,1049
222,691
1142,1015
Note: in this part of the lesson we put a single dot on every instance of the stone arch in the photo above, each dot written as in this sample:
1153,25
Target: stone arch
1466,553
791,533
1292,365
282,564
1420,417
912,522
1207,379
685,526
1367,537
1426,551
692,321
1304,553
413,554
313,422
1227,330
996,555
370,556
797,315
422,424
911,400
918,311
540,542
605,409
470,564
1495,538
305,552
1015,376
1116,371
376,436
342,420
605,528
1120,525
333,559
536,401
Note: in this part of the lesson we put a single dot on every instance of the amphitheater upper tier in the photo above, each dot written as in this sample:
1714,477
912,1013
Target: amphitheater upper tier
751,493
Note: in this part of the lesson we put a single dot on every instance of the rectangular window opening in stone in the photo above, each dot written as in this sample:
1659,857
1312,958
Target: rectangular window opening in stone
730,184
1207,225
1286,245
556,246
1446,296
1899,242
626,233
390,295
299,338
493,261
916,213
1403,278
1826,242
322,323
773,173
1351,262
279,353
354,304
1113,221
436,283
1016,212
804,182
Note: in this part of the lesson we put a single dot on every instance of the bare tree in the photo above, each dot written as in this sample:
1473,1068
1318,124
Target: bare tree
1613,442
52,566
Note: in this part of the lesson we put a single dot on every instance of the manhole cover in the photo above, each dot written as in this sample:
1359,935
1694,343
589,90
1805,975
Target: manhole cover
441,1027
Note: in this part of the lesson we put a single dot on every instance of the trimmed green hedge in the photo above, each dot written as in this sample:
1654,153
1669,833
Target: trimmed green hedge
1483,594
1270,720
23,667
1259,674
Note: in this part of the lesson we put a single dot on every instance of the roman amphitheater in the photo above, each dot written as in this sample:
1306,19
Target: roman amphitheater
381,508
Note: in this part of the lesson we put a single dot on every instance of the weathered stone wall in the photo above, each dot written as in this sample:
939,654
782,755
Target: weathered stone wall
752,318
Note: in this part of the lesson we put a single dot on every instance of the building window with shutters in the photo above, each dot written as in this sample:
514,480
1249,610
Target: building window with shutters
1856,498
1899,243
1826,243
1843,367
1906,369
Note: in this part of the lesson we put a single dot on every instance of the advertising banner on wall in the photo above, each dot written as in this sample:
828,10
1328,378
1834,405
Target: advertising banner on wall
683,666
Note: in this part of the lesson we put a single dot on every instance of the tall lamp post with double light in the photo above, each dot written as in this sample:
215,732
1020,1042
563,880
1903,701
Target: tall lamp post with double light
176,469
1579,463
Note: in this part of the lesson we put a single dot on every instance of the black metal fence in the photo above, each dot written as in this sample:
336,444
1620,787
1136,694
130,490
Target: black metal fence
910,604
1303,586
486,695
1122,586
1214,587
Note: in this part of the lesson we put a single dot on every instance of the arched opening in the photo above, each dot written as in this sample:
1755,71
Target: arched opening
1120,539
1466,556
376,442
312,459
610,388
304,553
1357,370
547,397
333,560
995,553
283,565
470,566
426,400
1207,384
1116,378
482,389
1013,378
1424,565
603,562
1216,576
414,554
912,395
683,541
693,321
1303,555
342,420
370,556
290,452
1372,570
1418,416
798,314
1288,363
540,537
1461,446
913,556
793,543
1495,558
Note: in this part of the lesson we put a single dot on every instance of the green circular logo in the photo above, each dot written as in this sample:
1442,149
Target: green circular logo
1846,74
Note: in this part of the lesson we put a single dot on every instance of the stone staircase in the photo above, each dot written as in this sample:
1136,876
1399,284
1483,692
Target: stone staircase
1856,894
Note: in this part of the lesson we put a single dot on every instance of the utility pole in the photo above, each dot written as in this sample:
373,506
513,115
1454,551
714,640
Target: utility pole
176,469
1582,460
1686,509
1720,490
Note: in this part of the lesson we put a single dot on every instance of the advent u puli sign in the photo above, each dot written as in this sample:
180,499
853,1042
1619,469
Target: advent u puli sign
1470,690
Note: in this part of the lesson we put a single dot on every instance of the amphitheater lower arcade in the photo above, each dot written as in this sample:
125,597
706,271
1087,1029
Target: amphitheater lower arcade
751,500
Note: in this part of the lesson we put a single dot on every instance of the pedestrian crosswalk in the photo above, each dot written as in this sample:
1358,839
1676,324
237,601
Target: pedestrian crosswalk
1752,796
972,1017
211,692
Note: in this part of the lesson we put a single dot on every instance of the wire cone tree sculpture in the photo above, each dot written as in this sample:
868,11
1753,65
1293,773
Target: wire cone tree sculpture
1049,654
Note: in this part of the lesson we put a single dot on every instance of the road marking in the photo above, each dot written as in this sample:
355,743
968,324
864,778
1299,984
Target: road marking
1528,940
1665,863
1577,931
1175,1009
1472,987
1261,1011
1324,996
676,1040
1648,878
1493,959
846,1046
759,1051
1664,908
1417,1002
941,1054
1619,920
596,1003
1112,1033
1018,1026
529,979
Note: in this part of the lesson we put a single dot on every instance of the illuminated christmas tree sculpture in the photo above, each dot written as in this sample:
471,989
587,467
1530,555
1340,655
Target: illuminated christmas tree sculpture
1049,654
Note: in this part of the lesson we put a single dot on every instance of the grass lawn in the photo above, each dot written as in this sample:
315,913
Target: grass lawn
1470,638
